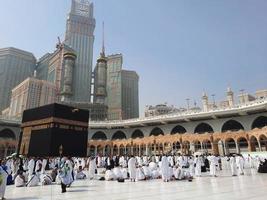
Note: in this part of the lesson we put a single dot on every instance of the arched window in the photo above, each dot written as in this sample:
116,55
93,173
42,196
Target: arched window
243,143
99,136
137,134
156,131
7,134
259,122
178,129
118,135
232,125
203,128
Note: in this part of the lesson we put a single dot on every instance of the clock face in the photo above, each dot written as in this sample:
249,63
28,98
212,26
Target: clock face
82,9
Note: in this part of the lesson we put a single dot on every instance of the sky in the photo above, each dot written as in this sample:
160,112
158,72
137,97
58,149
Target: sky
179,48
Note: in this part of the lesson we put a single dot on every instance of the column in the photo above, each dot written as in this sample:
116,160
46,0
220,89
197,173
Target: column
132,150
146,149
237,147
259,142
224,148
95,151
103,151
192,147
201,146
249,146
215,149
111,150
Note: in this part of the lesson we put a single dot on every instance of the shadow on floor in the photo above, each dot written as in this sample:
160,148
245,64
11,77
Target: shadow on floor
24,198
83,186
79,190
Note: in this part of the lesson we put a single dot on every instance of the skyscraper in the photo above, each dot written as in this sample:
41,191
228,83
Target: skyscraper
114,67
122,90
80,36
130,94
42,66
100,81
60,71
15,66
31,93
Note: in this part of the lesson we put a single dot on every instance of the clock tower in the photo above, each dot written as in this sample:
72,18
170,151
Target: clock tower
80,37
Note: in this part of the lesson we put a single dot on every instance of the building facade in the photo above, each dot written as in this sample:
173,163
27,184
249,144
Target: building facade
42,67
15,66
122,90
31,93
130,94
100,80
241,128
160,109
80,37
61,68
114,67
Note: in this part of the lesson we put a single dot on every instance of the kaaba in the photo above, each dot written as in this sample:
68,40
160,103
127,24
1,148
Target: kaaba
54,130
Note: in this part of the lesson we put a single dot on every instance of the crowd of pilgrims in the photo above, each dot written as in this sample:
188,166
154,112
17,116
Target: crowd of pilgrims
22,171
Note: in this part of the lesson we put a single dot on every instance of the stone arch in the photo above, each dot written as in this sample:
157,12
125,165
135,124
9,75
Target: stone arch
186,147
242,144
161,148
99,135
197,145
118,135
230,145
137,134
135,150
259,122
219,146
167,147
128,149
107,150
254,144
263,142
115,150
232,125
178,129
176,146
142,149
99,150
7,134
156,131
92,150
207,146
203,128
121,150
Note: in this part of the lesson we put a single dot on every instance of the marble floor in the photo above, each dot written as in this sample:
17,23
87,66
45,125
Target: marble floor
252,186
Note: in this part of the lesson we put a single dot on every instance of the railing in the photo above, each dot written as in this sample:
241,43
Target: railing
184,114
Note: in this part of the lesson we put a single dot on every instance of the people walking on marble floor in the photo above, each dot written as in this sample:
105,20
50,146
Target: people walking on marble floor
167,167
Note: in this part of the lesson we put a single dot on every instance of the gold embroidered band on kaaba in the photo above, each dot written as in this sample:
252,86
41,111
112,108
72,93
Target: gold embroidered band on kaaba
54,120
